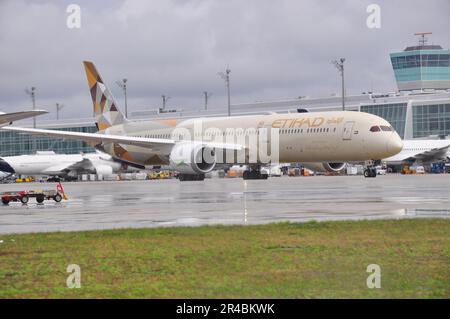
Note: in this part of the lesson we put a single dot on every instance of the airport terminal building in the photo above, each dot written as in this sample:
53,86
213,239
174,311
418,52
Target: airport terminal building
419,109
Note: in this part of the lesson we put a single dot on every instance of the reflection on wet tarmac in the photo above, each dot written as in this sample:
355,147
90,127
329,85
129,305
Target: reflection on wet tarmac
104,205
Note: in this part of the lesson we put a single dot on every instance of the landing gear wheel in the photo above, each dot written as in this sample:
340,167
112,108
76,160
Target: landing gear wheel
40,199
5,201
254,174
191,177
370,172
24,199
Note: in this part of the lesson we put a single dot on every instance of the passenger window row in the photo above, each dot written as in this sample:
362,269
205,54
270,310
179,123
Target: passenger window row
309,130
252,132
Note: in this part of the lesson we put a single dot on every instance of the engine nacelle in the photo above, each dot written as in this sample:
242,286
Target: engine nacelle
103,169
192,158
325,167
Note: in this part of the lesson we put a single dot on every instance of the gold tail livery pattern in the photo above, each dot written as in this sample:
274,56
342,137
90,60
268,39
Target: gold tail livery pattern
105,107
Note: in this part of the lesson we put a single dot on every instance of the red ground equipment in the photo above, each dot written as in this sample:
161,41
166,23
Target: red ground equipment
40,195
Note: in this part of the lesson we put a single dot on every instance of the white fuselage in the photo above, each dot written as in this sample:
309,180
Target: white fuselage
56,164
303,137
412,148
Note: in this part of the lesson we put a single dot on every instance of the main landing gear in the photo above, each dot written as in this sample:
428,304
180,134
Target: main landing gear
191,177
254,173
370,169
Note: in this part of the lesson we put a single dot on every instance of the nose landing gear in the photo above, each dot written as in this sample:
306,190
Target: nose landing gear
191,177
370,172
370,169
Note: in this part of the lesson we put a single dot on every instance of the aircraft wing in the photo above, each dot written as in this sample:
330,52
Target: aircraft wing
97,138
83,164
56,169
435,154
7,118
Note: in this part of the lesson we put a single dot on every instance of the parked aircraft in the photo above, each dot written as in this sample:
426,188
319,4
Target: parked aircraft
8,118
193,147
421,152
62,165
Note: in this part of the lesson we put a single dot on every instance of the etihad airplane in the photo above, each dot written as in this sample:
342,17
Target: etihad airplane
193,147
62,165
423,152
8,118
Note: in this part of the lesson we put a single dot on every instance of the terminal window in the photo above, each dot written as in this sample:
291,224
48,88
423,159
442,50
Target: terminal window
431,120
13,144
394,113
426,60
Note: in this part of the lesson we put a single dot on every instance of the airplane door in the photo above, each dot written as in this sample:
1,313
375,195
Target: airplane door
348,130
264,140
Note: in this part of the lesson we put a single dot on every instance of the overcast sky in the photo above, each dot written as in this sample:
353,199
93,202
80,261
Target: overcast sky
275,49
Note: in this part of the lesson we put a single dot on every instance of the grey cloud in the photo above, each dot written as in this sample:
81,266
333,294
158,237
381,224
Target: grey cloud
275,49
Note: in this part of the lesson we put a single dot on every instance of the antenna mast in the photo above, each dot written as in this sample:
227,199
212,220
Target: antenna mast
423,39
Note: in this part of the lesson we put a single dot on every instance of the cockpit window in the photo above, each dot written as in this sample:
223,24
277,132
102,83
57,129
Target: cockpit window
386,128
375,128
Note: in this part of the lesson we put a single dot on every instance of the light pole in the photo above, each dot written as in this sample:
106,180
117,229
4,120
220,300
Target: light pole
226,77
58,108
340,66
32,94
123,85
207,96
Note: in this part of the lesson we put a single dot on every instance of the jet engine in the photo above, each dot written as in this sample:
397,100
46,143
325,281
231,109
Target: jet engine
191,158
325,167
103,169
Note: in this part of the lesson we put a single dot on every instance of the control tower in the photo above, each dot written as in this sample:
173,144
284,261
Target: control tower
422,67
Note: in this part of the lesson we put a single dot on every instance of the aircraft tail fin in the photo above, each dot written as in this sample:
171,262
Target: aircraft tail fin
106,112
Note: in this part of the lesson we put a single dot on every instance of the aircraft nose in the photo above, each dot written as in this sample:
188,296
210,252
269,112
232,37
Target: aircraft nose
5,167
394,144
